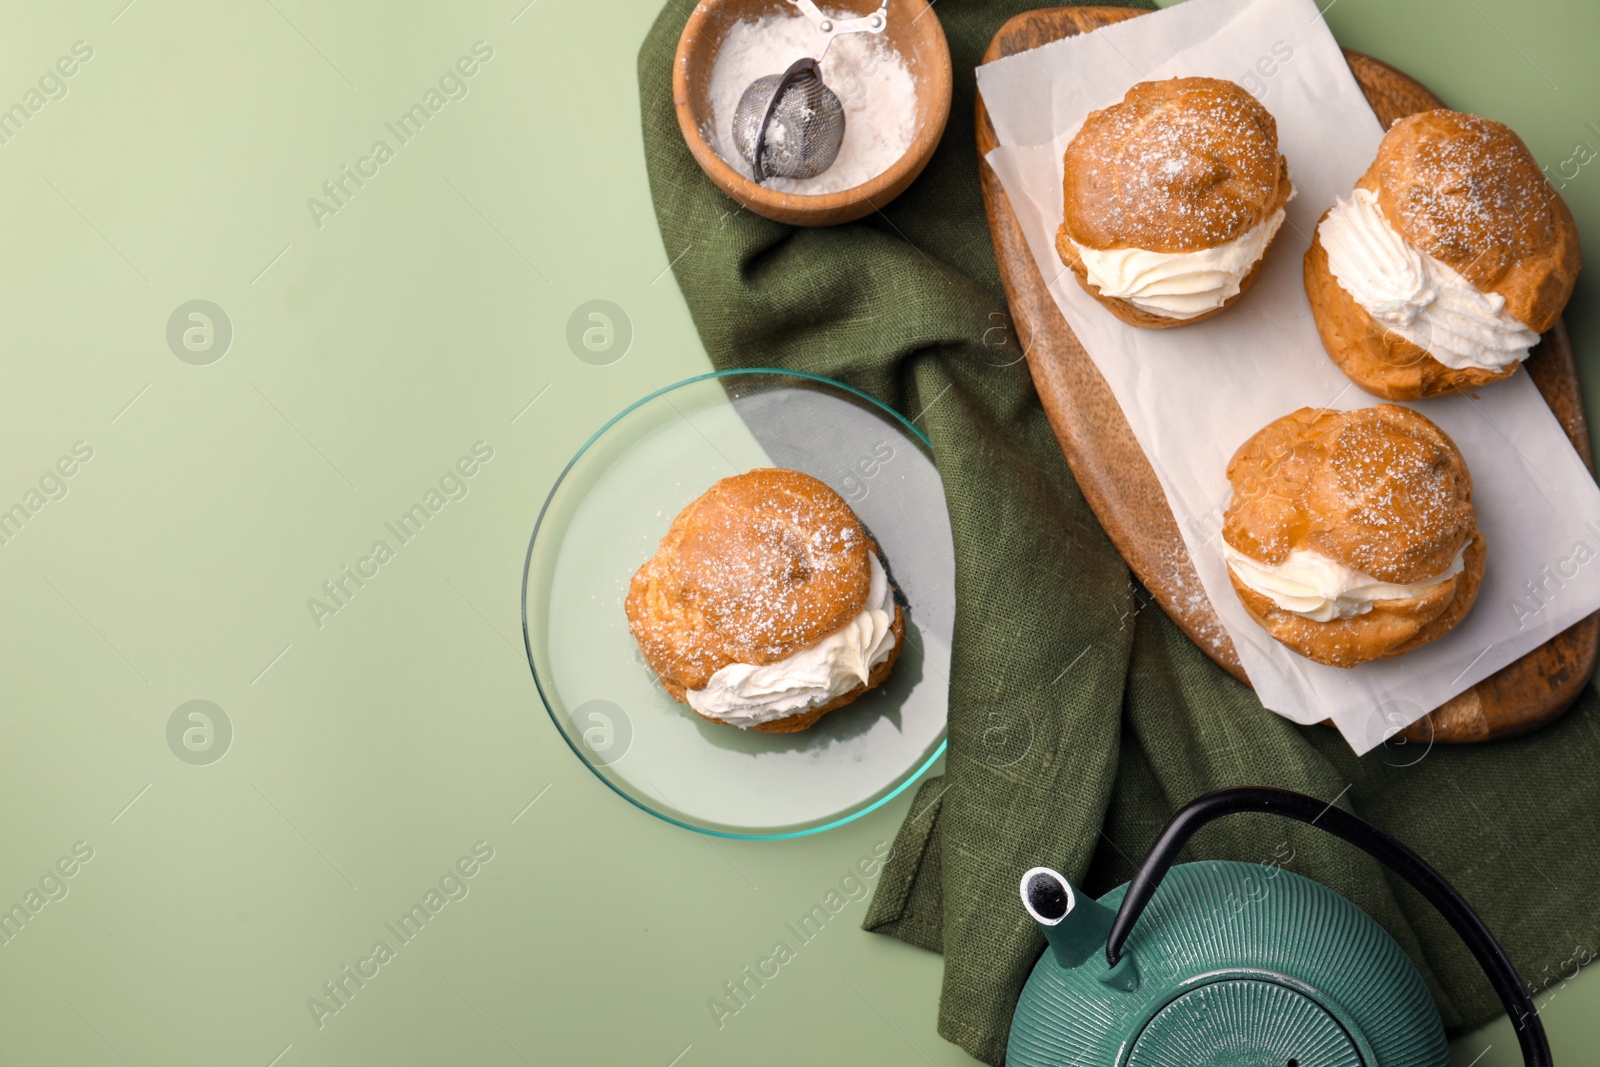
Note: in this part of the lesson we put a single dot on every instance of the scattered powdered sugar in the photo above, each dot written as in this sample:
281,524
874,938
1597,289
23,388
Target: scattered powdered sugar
759,567
1379,490
870,78
1177,165
1466,188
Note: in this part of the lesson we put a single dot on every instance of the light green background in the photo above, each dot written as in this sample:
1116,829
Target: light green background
368,355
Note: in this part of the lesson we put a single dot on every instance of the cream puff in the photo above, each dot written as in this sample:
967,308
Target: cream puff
766,604
1171,199
1449,259
1351,535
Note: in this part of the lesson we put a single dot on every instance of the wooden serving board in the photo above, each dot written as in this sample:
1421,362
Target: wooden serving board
1121,487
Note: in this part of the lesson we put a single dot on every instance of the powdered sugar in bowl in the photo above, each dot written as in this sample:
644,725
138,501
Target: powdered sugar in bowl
894,86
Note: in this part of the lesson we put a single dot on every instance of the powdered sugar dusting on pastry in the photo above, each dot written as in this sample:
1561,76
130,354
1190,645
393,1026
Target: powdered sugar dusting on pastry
1178,166
1466,190
744,695
1351,535
1380,490
761,566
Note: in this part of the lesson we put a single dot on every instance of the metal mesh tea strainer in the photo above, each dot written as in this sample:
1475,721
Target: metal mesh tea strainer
790,125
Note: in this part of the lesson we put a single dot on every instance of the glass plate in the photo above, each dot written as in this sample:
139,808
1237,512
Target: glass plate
604,518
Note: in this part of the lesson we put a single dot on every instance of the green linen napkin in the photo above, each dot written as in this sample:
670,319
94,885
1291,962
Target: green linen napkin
1080,716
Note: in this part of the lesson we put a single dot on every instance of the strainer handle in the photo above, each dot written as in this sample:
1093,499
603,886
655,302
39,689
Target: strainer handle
1388,851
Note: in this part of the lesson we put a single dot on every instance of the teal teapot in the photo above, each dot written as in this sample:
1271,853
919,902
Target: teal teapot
1219,964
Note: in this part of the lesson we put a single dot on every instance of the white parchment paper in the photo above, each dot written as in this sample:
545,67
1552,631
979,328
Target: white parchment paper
1192,395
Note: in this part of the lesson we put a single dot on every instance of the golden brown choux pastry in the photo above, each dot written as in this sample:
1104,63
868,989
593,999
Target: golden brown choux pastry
1351,534
767,569
1171,199
1450,258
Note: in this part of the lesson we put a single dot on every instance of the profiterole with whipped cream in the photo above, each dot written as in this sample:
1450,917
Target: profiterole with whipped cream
1172,198
1351,535
1449,259
766,605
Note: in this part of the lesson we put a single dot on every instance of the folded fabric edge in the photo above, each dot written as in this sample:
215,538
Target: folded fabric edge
897,909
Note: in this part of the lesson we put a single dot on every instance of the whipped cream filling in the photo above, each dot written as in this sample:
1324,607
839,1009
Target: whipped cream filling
744,695
1178,285
1323,589
1421,299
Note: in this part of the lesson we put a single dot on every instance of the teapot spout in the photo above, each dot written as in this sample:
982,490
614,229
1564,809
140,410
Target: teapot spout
1076,926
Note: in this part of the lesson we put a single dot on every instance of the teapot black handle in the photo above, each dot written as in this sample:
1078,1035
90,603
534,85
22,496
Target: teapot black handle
1397,857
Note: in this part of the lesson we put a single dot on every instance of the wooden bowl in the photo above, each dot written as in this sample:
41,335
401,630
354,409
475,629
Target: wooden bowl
914,31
